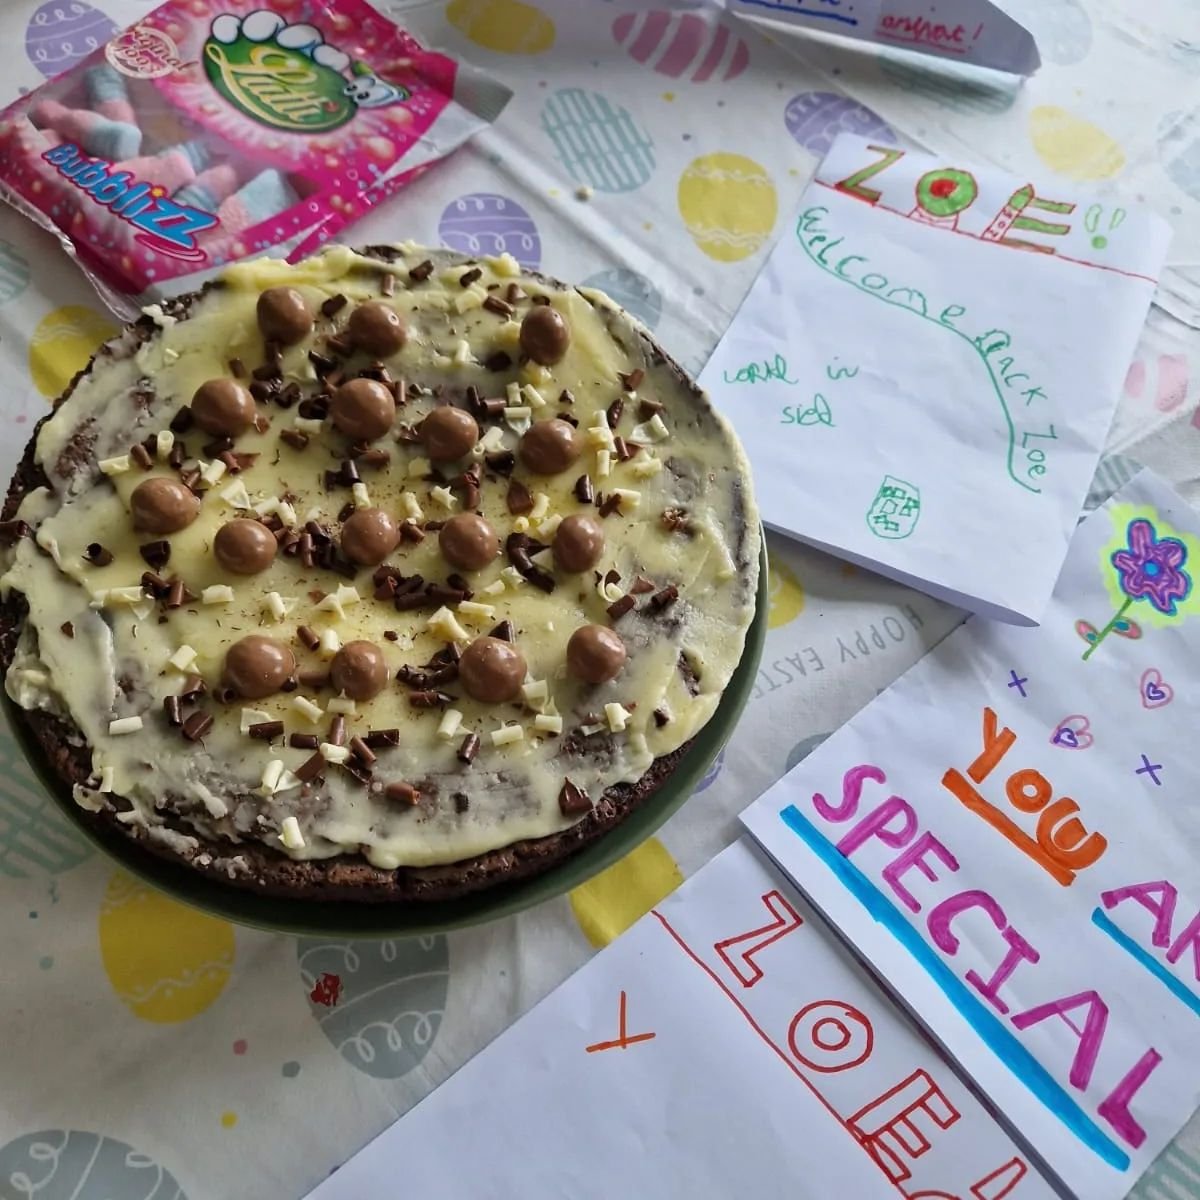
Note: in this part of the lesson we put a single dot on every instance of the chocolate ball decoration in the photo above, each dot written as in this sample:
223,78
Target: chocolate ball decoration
363,409
163,505
244,546
545,335
448,434
359,670
578,543
550,447
223,407
595,654
377,329
369,536
284,315
491,671
257,667
468,542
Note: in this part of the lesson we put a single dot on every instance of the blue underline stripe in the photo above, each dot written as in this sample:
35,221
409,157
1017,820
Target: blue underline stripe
1005,1045
1176,987
802,12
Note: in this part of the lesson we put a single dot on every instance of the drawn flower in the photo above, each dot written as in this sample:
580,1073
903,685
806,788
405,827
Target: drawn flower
1152,568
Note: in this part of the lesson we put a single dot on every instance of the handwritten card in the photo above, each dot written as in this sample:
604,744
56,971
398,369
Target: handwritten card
1010,835
924,373
725,1046
974,31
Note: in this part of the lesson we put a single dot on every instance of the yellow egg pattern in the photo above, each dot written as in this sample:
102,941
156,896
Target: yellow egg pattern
784,593
168,963
62,344
506,26
1072,146
609,903
728,204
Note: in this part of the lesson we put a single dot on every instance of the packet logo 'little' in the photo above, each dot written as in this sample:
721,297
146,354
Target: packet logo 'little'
288,76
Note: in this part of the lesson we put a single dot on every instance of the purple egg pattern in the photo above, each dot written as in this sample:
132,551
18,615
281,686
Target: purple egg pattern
710,776
485,223
814,119
62,32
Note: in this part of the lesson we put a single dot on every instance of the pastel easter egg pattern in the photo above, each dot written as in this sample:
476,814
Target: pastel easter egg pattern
61,1164
814,119
785,594
682,45
951,86
14,272
633,292
710,776
599,143
1072,146
1062,28
485,223
1179,150
62,32
609,903
728,204
35,838
505,26
380,1003
62,343
167,962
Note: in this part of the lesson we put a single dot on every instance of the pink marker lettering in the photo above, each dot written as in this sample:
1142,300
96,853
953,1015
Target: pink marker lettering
852,786
875,824
1090,1036
1163,908
1114,1108
1189,937
914,856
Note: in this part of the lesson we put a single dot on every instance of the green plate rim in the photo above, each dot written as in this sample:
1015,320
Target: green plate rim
347,918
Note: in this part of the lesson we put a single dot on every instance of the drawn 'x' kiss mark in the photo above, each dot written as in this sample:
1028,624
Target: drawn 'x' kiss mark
1073,733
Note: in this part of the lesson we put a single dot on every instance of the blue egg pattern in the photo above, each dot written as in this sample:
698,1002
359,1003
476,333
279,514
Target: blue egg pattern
1062,28
814,119
60,1164
62,32
14,272
633,292
380,1003
597,142
710,776
35,838
484,223
951,86
803,748
1179,150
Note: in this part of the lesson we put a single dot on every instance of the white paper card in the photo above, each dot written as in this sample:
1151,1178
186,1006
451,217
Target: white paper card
924,373
1010,836
973,31
725,1046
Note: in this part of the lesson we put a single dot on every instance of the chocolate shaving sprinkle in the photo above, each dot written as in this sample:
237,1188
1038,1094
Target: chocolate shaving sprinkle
357,772
190,478
337,730
155,585
288,395
519,499
583,490
461,802
97,555
181,422
661,717
625,450
294,438
515,293
338,344
67,629
504,632
613,412
315,408
264,731
618,608
573,800
217,446
470,277
379,739
641,585
362,751
469,748
631,380
304,741
500,307
391,635
519,547
498,360
410,531
648,409
321,364
196,726
225,695
176,593
141,456
421,271
171,707
237,368
541,300
311,769
268,372
501,461
668,595
156,554
566,397
193,688
608,504
313,678
177,456
387,285
334,305
11,532
429,699
402,793
375,459
309,636
676,520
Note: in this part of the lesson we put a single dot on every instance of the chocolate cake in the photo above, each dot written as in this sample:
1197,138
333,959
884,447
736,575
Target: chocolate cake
391,575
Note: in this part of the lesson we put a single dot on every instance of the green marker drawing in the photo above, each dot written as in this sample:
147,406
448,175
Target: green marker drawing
761,372
895,510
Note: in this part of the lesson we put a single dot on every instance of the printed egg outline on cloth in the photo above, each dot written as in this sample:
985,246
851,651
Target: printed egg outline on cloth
633,292
1073,146
166,962
14,272
61,33
1179,150
62,344
729,205
682,44
34,836
384,1005
598,143
814,119
488,223
73,1164
609,903
503,26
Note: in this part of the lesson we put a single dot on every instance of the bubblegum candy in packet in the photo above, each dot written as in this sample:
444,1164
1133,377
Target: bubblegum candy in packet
215,130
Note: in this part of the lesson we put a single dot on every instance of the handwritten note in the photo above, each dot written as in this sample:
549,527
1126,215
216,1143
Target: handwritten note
725,1046
1010,834
925,370
974,31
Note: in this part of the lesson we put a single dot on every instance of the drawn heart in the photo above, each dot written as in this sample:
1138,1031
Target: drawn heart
1072,733
1155,690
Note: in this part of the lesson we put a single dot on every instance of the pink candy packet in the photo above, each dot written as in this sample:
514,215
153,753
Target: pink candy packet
215,130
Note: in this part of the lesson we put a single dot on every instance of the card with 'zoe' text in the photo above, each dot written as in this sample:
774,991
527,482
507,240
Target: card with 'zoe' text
925,371
1009,836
